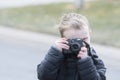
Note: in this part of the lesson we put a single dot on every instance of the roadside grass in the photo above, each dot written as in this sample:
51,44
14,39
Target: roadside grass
102,15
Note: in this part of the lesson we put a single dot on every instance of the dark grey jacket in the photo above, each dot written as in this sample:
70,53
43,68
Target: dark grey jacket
56,67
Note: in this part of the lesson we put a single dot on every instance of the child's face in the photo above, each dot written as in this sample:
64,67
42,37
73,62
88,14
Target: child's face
83,34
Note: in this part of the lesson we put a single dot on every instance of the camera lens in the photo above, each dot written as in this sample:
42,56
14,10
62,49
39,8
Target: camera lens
75,47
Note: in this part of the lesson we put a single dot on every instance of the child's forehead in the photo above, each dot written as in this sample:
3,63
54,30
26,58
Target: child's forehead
71,33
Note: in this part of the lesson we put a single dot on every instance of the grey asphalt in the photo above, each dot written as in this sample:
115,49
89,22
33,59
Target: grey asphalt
21,51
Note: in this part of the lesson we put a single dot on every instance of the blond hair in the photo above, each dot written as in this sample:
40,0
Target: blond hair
72,20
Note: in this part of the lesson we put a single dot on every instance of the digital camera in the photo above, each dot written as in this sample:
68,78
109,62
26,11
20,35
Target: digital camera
75,46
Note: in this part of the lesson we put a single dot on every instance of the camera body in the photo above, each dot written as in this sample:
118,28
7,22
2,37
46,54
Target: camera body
75,46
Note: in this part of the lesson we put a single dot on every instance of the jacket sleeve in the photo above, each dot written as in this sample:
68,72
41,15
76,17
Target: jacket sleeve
48,68
90,69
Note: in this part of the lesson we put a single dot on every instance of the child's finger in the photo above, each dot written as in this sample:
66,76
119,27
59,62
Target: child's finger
83,49
81,52
63,38
80,55
64,46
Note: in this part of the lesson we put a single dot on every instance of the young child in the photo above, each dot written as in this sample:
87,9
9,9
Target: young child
84,67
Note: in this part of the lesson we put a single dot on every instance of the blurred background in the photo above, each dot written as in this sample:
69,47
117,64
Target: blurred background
29,27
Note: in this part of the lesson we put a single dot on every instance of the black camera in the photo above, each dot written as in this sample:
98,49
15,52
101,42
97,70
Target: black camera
75,46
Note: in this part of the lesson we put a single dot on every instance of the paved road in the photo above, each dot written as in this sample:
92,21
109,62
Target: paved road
21,51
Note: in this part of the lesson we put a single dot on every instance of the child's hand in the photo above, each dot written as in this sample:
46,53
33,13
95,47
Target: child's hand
62,44
83,53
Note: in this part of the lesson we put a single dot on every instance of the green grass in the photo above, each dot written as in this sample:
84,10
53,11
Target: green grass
103,17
